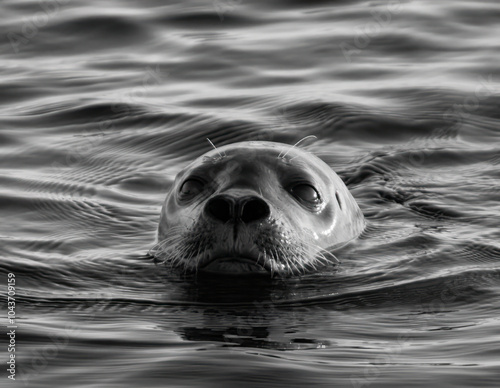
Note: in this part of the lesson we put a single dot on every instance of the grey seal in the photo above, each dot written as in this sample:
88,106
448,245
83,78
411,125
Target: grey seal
256,207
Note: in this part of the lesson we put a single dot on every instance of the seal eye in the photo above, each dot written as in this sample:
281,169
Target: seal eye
190,188
306,193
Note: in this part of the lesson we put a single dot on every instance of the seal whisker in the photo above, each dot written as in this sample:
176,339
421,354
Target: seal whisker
320,257
292,267
295,145
188,255
277,257
323,255
215,148
163,248
302,267
271,262
289,263
199,255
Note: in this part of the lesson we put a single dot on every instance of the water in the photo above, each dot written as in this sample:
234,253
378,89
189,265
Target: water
102,102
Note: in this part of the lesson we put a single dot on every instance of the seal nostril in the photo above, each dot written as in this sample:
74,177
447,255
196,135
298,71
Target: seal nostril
220,208
254,209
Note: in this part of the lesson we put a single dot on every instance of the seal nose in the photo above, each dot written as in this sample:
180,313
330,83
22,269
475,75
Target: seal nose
225,208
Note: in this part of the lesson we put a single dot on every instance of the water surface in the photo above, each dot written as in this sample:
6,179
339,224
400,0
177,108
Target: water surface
101,103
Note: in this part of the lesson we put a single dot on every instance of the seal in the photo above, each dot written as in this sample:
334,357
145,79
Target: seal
256,207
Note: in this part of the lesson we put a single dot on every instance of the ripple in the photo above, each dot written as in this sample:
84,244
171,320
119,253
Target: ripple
89,147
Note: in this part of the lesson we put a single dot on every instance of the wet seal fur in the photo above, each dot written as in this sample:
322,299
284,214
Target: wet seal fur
256,207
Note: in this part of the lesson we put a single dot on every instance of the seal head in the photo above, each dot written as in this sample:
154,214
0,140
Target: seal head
256,207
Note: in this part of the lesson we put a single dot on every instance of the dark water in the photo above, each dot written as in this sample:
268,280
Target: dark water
102,102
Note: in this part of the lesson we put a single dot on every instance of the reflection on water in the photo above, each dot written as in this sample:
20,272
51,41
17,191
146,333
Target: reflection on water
102,103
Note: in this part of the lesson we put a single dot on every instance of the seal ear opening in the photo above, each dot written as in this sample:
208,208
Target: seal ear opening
337,196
